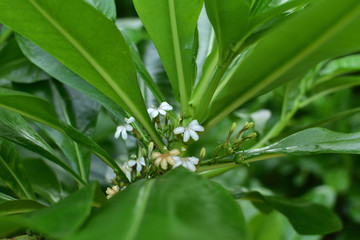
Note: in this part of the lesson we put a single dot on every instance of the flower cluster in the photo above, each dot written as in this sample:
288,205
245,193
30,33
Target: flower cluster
153,161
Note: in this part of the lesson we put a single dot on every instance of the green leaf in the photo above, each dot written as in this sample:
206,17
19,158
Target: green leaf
317,39
104,60
259,6
107,7
230,20
178,205
14,66
171,25
19,102
19,206
59,71
12,171
306,218
312,141
15,129
43,179
58,220
340,66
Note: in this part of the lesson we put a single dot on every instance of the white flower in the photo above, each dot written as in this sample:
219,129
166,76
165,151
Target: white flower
139,163
190,130
123,128
188,163
165,159
112,191
154,112
127,170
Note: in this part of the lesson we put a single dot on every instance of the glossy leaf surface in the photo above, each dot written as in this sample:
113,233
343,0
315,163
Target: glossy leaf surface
91,47
312,141
316,39
185,205
171,25
230,20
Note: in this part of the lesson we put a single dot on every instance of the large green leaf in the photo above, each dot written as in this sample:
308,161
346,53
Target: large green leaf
19,206
14,66
306,218
311,141
58,220
107,7
44,113
171,25
230,20
316,39
85,41
43,179
13,172
59,71
15,129
178,205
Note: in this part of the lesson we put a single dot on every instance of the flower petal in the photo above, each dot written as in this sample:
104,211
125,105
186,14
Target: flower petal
157,161
118,131
194,135
131,163
165,106
190,166
170,160
197,128
156,155
138,167
179,130
154,113
193,160
162,112
141,161
186,135
128,128
164,164
130,120
124,134
179,163
174,152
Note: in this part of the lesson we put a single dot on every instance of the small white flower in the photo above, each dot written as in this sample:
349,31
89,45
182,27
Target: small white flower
123,128
190,130
154,112
127,170
188,163
139,163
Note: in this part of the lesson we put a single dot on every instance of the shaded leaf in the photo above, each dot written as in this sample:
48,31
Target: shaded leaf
19,206
14,66
306,218
15,129
311,141
184,204
43,179
316,39
58,220
13,172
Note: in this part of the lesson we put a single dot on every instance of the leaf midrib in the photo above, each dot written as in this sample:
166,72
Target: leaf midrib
99,69
289,64
177,51
140,208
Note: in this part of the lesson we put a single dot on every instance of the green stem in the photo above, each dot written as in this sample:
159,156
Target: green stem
209,91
